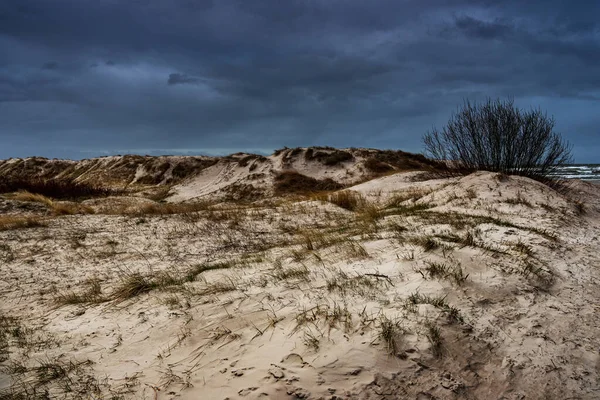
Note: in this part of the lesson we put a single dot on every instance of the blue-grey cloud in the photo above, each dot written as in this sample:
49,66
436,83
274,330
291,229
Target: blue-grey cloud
176,79
79,76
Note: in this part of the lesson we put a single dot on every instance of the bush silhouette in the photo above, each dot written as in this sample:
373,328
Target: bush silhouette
497,136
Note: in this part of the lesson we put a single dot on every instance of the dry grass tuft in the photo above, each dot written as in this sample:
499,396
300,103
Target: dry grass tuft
160,193
57,208
428,243
452,313
297,272
435,338
91,294
347,199
351,250
444,271
169,208
70,209
133,284
391,332
24,195
519,199
9,222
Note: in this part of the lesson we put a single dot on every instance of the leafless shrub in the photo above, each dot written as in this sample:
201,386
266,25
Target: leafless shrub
497,136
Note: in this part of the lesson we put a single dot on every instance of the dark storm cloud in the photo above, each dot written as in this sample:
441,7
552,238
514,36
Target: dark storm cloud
175,79
86,77
50,65
483,29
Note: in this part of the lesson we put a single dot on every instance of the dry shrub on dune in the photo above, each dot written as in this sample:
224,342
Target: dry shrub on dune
292,182
55,188
497,136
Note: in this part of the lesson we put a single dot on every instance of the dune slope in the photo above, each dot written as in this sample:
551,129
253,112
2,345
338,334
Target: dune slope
474,287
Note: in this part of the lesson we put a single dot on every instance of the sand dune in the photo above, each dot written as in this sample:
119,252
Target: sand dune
474,287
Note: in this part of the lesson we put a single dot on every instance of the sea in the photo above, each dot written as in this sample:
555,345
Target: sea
587,172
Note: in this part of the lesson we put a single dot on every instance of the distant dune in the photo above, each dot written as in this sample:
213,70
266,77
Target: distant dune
237,175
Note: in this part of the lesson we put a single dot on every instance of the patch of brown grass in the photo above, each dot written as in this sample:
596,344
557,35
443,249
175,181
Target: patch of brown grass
167,208
24,195
292,182
376,166
68,208
57,208
346,199
92,293
9,222
63,188
160,193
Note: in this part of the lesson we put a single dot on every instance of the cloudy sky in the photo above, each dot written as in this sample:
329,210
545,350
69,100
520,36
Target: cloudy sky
82,78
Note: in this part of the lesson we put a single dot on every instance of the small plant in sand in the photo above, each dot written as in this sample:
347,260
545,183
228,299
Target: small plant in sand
435,338
280,273
92,293
311,341
133,284
523,248
427,242
407,209
444,271
391,333
519,199
580,207
452,313
542,277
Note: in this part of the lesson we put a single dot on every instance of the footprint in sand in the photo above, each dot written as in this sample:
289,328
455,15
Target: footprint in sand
293,359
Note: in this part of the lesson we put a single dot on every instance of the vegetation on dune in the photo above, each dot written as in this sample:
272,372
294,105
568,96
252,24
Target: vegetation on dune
497,136
294,182
63,189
